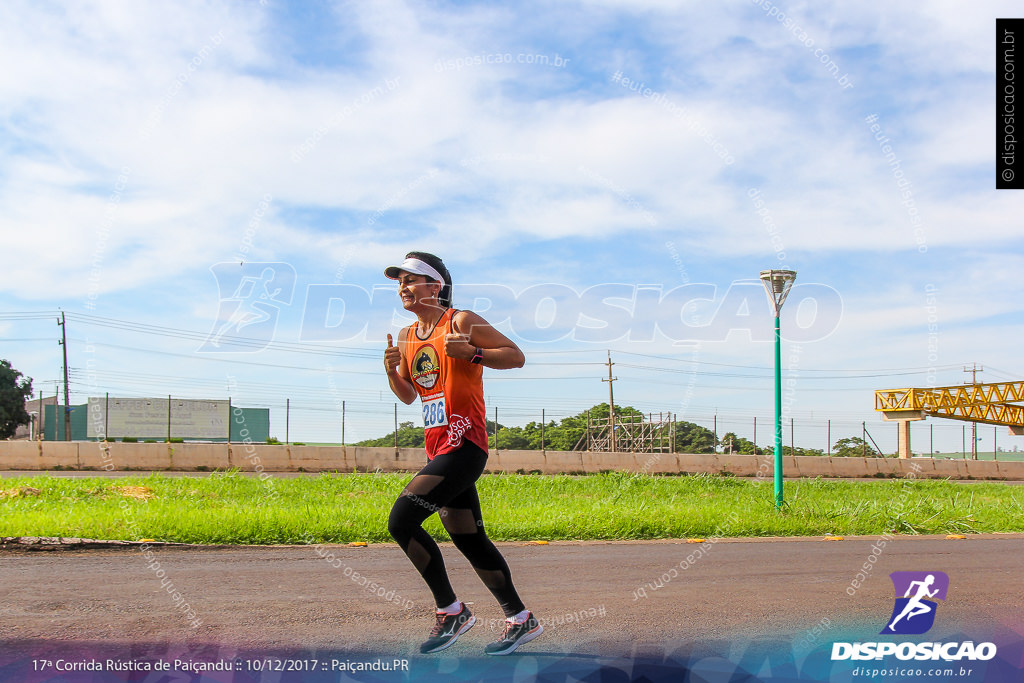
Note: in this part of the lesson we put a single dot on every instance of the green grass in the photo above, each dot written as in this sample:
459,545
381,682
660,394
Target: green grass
227,507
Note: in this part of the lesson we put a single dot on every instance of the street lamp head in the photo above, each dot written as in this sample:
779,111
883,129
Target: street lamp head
777,283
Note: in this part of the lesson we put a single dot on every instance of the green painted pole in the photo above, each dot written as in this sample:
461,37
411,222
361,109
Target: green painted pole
778,415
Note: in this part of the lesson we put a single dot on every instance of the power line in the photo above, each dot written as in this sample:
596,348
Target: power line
216,358
31,315
328,370
1006,373
357,352
794,373
765,367
247,342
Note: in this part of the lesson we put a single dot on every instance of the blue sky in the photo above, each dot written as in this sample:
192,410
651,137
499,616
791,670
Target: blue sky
549,152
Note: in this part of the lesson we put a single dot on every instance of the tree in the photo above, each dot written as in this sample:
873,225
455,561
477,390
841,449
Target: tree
854,447
739,445
788,451
409,436
15,389
692,438
566,433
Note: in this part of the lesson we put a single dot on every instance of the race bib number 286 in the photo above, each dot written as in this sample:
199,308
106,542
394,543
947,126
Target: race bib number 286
434,413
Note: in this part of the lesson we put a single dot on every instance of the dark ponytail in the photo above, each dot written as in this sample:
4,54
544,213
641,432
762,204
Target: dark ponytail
445,297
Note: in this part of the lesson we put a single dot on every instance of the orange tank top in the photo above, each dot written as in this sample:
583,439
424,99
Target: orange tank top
451,390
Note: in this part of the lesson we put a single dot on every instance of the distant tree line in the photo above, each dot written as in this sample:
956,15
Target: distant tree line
565,434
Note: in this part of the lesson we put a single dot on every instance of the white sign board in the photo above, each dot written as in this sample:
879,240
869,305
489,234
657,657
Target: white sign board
147,418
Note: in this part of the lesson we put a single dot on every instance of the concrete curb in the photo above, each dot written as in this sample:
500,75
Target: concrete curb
72,543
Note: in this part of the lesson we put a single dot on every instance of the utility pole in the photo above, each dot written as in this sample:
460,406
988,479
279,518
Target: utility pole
672,431
611,402
974,370
67,401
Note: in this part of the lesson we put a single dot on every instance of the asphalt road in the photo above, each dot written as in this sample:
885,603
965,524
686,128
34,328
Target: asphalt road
293,599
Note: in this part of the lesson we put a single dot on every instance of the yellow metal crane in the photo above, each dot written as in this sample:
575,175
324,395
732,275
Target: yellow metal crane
992,403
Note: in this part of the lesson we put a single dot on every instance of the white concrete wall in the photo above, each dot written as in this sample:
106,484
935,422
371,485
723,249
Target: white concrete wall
89,455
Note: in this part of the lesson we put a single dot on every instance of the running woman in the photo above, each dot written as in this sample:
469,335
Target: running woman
440,359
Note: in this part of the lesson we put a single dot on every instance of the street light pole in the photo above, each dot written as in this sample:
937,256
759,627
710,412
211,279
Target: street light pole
778,413
778,283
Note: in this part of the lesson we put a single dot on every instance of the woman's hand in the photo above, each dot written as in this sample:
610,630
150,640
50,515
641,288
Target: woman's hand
392,357
500,352
456,345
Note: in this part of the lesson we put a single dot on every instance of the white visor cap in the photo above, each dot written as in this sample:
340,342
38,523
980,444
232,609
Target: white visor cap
416,267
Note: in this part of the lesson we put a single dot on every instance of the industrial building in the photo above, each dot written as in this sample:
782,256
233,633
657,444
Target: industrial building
157,419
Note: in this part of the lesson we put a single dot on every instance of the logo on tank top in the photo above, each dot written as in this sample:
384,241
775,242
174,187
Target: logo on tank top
457,426
425,367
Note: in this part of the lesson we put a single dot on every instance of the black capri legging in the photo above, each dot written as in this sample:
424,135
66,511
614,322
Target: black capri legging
447,485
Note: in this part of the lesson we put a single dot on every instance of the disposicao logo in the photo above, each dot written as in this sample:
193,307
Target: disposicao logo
913,614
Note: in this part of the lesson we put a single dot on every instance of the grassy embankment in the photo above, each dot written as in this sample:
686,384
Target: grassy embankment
228,508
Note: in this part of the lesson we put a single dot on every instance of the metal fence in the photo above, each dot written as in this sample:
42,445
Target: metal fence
344,421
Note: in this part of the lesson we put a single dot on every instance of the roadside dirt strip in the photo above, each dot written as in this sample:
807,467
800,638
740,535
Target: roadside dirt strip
666,605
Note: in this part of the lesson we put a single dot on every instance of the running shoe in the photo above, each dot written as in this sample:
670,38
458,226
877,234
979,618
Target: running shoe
447,630
515,635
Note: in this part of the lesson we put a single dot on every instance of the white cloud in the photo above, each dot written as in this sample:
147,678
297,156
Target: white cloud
384,143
